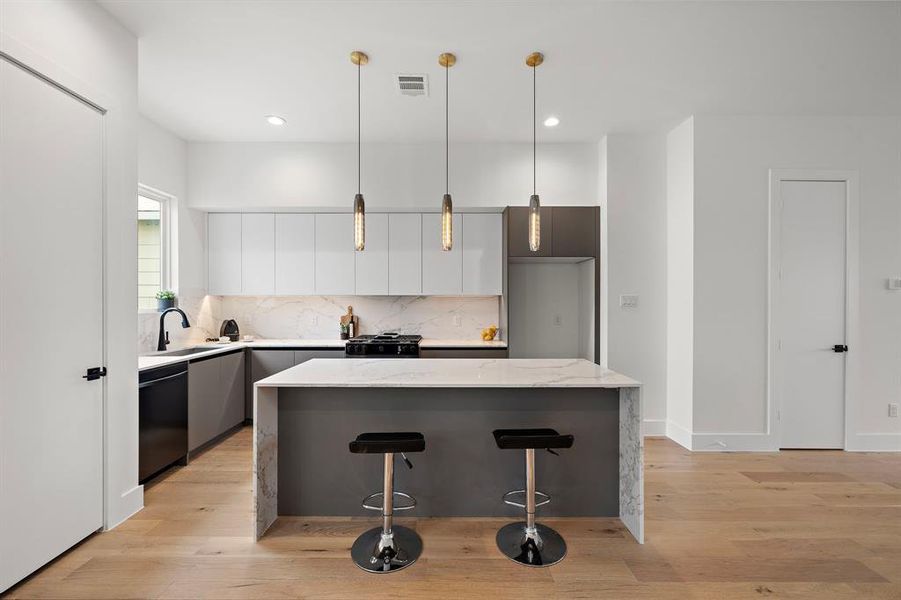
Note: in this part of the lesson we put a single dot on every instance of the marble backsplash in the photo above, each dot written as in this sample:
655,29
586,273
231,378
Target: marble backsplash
316,317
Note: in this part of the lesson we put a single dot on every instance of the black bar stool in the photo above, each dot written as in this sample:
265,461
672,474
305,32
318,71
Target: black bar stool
527,542
387,548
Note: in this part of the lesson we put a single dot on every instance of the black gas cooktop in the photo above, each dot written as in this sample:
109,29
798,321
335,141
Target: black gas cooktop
384,345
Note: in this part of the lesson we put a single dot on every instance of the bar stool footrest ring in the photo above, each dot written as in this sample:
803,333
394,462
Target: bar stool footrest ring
540,497
369,506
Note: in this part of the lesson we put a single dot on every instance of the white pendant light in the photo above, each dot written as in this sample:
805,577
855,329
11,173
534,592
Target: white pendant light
359,58
533,60
447,60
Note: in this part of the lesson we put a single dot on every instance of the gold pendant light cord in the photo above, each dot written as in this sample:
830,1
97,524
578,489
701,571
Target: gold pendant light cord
446,129
359,129
534,136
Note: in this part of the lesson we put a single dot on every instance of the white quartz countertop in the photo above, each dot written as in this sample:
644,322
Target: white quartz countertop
449,373
150,361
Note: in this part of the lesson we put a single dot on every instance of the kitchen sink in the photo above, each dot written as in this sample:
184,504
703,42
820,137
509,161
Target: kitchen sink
185,351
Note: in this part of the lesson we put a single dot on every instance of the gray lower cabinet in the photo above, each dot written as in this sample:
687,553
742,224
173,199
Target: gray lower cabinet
215,397
301,356
264,363
463,353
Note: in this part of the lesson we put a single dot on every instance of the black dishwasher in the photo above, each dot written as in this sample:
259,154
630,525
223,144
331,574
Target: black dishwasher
162,419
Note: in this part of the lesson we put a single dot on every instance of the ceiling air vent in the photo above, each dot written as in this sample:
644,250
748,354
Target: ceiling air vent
413,85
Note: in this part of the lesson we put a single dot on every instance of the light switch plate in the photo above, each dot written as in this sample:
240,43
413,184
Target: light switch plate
893,283
628,301
893,410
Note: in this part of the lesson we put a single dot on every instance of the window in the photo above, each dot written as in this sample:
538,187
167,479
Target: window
153,246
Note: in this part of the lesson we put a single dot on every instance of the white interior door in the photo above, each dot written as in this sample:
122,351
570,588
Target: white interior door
51,310
810,312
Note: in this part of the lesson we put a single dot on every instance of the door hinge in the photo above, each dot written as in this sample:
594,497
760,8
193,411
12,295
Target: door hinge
95,373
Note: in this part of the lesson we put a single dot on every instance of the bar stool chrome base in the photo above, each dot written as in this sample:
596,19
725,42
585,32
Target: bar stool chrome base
542,548
375,553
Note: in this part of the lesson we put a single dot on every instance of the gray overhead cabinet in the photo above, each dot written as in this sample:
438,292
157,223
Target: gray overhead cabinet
566,232
215,397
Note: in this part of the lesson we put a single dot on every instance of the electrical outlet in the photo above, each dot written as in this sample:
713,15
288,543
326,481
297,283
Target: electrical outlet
315,320
629,301
458,321
892,409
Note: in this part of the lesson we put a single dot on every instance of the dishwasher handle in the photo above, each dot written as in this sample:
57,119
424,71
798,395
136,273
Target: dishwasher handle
160,380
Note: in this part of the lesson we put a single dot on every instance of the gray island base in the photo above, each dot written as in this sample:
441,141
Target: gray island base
305,416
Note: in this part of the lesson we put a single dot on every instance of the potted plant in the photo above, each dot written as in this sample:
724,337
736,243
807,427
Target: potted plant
345,331
165,299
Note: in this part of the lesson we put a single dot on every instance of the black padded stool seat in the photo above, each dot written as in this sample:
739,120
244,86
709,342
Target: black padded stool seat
525,439
384,443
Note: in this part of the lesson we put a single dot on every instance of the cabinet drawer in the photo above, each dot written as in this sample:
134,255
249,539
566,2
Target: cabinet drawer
463,353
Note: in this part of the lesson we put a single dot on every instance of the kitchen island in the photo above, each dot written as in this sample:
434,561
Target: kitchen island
305,416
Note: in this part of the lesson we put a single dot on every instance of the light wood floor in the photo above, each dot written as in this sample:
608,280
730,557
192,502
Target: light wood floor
789,525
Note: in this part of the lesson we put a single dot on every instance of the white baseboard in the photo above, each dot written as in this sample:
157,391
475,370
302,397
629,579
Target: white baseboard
764,442
653,427
874,442
678,434
733,442
129,504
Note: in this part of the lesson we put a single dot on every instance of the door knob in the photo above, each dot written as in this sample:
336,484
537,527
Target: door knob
839,348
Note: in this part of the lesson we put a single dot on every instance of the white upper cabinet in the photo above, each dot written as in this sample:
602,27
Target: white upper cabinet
258,254
224,253
405,254
302,254
372,262
442,271
335,254
294,254
482,246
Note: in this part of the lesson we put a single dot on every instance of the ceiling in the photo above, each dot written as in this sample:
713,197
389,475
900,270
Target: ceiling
210,70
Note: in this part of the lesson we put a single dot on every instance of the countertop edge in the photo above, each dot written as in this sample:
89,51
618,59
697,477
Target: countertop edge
300,344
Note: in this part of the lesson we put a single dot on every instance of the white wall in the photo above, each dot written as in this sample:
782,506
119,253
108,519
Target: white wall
272,175
162,165
83,47
680,177
635,174
732,158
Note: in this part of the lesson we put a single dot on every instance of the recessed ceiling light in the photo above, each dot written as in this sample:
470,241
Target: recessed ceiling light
551,122
275,120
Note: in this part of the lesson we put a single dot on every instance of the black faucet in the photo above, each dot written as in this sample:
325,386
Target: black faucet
164,335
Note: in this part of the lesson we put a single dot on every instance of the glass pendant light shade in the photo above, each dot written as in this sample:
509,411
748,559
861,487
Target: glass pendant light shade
534,223
359,222
447,223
